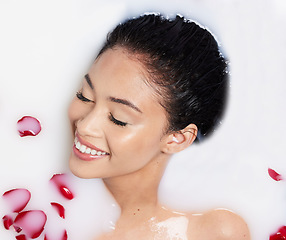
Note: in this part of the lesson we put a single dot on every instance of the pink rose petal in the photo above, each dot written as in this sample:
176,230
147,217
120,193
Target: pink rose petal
59,208
32,222
7,222
28,126
17,199
64,236
274,175
60,181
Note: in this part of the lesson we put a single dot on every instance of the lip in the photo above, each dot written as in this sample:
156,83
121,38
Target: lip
85,156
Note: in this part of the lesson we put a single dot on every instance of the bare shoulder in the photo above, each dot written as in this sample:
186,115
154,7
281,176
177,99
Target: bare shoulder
218,224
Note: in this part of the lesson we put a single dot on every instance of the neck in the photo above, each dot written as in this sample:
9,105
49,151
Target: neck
137,192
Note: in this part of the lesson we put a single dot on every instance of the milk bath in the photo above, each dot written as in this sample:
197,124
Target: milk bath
46,48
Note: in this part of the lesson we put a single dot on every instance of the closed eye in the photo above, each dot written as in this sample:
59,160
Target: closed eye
82,98
117,122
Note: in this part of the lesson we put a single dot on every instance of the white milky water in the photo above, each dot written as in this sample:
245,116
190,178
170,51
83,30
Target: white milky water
47,46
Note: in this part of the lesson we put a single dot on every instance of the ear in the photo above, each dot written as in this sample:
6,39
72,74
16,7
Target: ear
180,140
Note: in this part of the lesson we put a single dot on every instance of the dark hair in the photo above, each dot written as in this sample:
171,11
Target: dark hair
185,67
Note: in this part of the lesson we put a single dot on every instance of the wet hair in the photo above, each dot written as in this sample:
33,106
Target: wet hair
185,67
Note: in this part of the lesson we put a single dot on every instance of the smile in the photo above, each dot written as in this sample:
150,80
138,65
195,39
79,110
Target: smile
87,150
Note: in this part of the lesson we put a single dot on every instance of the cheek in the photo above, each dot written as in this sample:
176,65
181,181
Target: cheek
71,113
139,145
75,112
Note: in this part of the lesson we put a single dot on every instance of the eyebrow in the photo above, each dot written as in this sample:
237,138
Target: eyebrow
124,102
87,78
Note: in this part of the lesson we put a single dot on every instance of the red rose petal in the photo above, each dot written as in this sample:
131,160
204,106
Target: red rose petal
60,209
17,229
64,236
66,192
17,199
21,237
274,175
277,236
282,230
32,222
7,222
28,126
59,181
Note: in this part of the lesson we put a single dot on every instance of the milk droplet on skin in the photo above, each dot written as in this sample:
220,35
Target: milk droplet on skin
17,199
172,228
28,126
31,222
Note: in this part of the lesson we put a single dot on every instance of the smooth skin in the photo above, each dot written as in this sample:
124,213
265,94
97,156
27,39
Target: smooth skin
118,111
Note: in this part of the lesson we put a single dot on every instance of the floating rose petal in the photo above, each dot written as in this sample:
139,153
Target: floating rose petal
7,222
279,235
17,229
282,230
32,222
60,209
64,236
28,126
17,199
274,175
60,182
21,237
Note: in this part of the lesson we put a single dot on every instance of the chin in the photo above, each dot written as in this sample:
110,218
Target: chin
78,171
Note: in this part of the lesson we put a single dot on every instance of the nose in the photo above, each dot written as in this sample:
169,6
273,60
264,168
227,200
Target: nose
91,124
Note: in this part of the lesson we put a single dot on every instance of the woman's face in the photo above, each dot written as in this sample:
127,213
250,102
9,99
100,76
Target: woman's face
117,121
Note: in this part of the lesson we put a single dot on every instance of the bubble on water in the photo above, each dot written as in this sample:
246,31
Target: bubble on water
28,126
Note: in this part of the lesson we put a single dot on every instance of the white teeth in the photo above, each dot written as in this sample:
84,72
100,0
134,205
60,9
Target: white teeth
88,151
84,149
78,145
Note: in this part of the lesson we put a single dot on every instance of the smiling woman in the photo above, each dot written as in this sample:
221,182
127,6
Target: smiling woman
156,86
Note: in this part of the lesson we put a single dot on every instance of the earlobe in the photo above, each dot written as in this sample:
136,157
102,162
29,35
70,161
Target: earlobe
180,140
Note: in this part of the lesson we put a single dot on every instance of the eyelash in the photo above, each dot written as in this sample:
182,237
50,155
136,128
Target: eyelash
111,118
82,98
115,121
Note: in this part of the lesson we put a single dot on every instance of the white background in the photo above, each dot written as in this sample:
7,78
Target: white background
47,46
